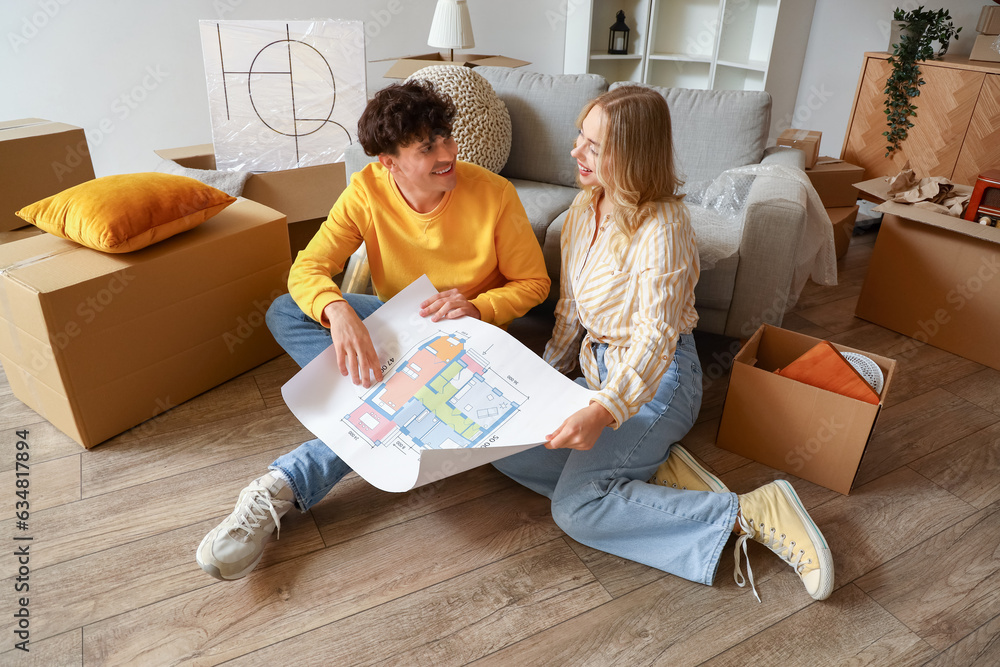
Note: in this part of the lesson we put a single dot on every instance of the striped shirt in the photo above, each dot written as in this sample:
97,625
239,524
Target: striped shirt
638,306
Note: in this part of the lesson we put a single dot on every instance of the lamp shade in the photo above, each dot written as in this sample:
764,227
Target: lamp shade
451,27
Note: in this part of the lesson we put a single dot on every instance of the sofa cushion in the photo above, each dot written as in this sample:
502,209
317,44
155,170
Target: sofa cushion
543,110
543,202
716,130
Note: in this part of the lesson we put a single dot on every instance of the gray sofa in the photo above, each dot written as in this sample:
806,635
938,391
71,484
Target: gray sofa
713,131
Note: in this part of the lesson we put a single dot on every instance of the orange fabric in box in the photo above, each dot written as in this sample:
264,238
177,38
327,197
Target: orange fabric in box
824,367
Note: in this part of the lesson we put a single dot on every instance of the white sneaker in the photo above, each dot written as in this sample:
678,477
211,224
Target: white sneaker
234,547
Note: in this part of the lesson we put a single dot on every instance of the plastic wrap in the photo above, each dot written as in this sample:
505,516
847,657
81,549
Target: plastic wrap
283,94
718,216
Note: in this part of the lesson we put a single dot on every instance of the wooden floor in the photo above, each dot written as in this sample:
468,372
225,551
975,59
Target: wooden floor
473,570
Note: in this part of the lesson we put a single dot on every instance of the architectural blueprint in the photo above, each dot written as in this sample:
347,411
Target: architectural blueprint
455,394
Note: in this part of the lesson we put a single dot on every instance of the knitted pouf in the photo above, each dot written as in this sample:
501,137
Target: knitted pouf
482,124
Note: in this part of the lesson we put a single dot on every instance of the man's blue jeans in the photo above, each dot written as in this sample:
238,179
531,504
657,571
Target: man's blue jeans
312,469
601,497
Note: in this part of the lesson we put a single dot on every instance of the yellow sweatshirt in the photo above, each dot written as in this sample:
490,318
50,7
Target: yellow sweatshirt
478,239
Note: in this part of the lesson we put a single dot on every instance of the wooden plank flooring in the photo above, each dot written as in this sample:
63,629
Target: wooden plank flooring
472,570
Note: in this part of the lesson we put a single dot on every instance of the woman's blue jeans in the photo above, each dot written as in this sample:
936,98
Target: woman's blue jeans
601,497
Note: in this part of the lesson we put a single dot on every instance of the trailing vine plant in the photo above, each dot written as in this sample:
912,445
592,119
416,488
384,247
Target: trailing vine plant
921,29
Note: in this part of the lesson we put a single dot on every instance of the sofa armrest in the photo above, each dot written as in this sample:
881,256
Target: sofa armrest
775,219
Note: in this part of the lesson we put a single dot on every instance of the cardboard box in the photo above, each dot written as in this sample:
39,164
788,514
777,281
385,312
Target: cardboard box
97,343
834,181
934,278
989,21
301,233
305,193
38,158
404,67
983,49
843,219
18,234
806,141
814,434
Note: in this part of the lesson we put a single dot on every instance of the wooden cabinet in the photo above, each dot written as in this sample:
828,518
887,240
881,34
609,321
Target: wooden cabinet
718,44
956,132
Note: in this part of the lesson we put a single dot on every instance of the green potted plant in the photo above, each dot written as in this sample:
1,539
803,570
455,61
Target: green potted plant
919,30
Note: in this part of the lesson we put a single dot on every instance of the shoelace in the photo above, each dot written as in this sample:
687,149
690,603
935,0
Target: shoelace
253,509
777,545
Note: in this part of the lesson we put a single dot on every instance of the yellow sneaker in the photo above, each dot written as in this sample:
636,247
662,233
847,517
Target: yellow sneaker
774,516
681,470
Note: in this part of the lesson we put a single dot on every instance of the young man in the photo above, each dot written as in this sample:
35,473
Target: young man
419,211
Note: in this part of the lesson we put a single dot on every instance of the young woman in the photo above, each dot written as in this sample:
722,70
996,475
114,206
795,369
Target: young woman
626,310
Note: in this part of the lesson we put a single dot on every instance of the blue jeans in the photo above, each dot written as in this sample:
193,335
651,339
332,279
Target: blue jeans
601,497
312,469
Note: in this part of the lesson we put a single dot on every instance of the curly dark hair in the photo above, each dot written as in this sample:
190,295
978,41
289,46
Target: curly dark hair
403,113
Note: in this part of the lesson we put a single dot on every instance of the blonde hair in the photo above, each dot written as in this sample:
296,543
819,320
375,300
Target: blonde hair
635,168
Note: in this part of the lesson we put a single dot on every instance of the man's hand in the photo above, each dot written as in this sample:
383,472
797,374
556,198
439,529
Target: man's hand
451,304
355,352
581,429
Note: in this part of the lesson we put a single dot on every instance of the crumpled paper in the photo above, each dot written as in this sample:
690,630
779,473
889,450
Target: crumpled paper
934,193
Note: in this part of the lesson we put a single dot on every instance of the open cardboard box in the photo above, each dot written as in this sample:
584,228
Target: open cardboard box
404,67
814,434
934,278
38,158
97,343
305,193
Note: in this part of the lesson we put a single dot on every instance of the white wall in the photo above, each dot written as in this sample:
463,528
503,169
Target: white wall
130,72
842,31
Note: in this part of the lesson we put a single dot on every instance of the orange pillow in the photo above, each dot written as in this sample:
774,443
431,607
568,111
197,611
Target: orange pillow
128,211
824,367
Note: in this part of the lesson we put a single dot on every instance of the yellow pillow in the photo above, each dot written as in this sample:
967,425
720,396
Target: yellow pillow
127,212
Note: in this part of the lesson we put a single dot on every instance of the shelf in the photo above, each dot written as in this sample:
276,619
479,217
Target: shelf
737,78
680,56
603,17
689,27
748,31
678,74
615,56
754,66
618,69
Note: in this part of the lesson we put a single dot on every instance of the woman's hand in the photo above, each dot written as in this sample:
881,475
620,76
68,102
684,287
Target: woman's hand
451,304
581,429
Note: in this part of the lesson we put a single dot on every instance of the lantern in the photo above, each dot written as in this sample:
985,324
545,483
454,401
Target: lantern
618,39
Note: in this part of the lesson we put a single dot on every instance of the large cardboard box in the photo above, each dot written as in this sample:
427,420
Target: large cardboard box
834,181
989,21
404,67
843,219
806,141
814,434
97,343
18,234
934,278
38,158
305,193
983,49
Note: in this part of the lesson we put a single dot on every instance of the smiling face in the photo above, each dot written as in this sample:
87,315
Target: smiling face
424,170
587,150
